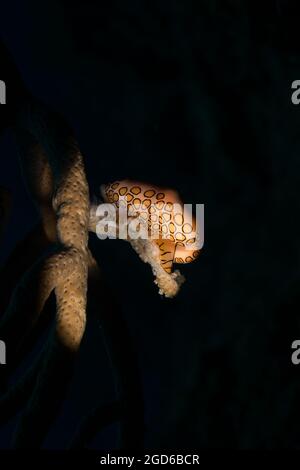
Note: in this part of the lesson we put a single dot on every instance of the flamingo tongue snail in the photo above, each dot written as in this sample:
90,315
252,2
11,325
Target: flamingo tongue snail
172,232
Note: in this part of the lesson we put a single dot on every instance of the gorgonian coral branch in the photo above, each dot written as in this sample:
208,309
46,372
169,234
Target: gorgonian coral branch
62,181
54,171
